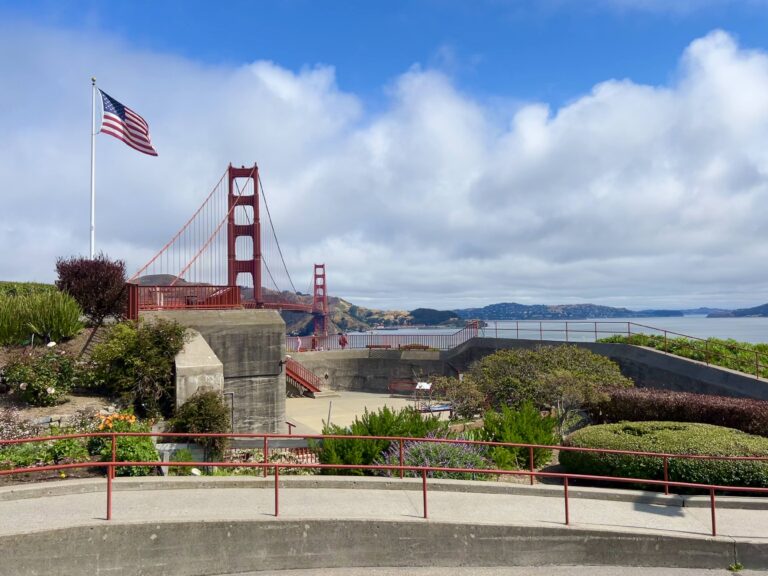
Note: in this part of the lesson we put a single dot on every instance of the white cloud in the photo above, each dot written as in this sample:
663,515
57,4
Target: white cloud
631,194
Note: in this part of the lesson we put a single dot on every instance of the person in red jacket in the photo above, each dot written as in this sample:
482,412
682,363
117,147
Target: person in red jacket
342,341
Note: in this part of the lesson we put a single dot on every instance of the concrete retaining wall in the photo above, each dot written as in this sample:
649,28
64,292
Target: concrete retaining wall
233,547
647,367
370,370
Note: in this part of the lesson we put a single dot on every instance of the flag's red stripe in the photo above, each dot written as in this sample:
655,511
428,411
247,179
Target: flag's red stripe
114,126
150,151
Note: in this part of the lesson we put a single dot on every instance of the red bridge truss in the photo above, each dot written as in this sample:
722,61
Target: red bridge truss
220,260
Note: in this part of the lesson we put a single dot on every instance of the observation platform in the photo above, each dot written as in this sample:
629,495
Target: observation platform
202,525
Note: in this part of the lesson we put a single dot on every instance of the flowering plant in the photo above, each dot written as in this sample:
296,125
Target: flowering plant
128,448
40,379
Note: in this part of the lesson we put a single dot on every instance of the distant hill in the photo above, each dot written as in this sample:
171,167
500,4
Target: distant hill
514,311
704,311
758,312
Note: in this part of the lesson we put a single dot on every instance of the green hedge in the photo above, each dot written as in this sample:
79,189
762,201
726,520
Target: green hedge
672,438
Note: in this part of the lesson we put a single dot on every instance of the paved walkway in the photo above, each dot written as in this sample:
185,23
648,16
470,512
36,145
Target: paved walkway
181,499
309,413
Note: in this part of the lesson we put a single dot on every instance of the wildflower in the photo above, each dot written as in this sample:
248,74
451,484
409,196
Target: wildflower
23,386
51,344
50,390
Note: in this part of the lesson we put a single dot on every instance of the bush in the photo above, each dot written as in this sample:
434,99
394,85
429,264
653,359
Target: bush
136,362
46,315
407,422
97,284
40,379
463,395
672,438
437,455
204,412
24,288
544,376
643,404
128,448
523,426
68,450
181,455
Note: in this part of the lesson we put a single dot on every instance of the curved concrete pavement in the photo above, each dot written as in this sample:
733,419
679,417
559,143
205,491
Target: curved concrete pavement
204,525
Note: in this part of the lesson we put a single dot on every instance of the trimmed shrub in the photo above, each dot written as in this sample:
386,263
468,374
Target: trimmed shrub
97,284
47,315
437,455
644,404
672,438
523,426
40,379
385,422
204,412
136,362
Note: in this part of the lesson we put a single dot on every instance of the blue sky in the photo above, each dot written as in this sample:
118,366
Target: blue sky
431,153
551,50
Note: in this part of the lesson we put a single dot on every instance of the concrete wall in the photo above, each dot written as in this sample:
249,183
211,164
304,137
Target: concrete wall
229,547
370,370
648,368
250,345
197,368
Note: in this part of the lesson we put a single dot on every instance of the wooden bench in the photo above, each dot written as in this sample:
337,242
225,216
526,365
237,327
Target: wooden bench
379,346
413,347
401,386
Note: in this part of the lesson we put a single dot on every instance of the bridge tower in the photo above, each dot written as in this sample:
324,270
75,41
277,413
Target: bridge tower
237,205
320,301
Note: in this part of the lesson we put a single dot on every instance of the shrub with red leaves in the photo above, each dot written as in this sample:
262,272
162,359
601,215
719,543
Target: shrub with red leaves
97,284
649,404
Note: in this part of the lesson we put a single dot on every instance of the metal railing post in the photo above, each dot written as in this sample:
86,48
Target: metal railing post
424,489
566,332
530,455
712,503
565,493
541,332
402,458
277,489
111,475
266,454
666,475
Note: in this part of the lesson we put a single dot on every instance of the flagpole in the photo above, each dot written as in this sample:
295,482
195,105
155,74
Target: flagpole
93,167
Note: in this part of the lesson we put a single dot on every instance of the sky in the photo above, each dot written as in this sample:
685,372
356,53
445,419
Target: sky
437,153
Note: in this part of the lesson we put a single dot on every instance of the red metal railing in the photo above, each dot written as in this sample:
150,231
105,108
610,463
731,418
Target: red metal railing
142,298
302,375
379,340
401,468
591,331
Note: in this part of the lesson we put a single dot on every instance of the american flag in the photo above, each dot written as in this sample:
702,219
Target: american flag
124,124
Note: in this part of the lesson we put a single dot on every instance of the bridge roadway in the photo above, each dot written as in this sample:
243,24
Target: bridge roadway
217,525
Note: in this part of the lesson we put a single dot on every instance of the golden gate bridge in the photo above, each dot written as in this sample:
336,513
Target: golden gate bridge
219,259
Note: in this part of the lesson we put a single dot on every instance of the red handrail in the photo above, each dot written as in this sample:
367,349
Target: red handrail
400,468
